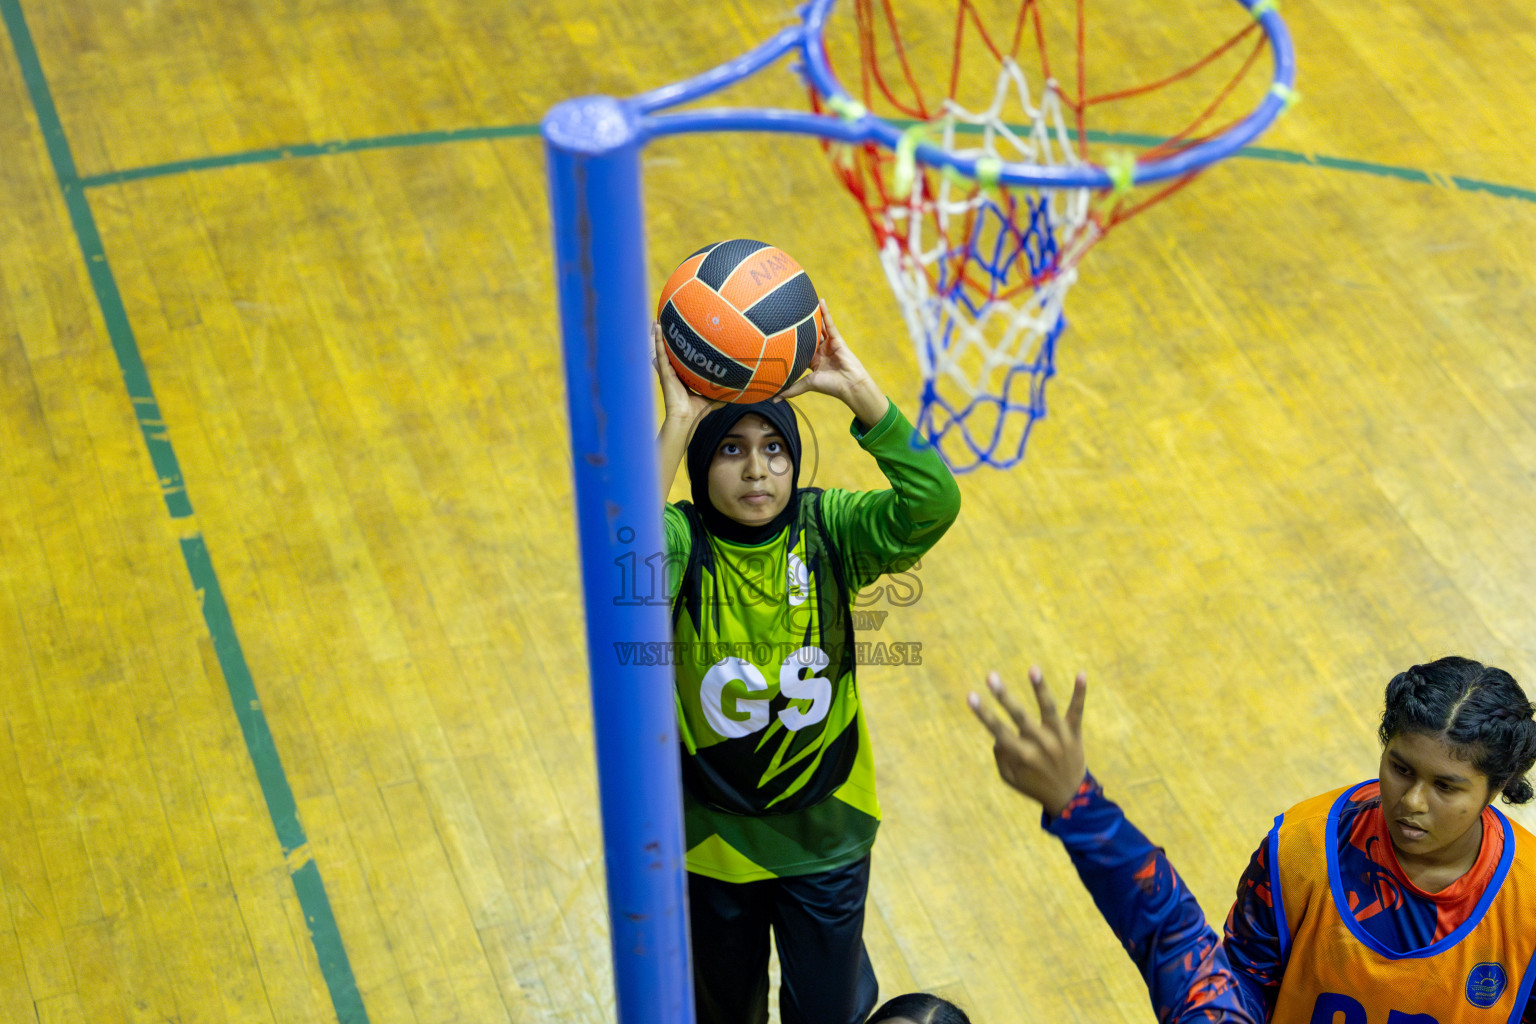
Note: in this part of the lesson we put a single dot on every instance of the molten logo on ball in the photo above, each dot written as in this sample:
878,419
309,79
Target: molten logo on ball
686,350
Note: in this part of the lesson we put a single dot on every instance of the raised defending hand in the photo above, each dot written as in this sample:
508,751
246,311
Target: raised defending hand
1043,760
836,371
682,406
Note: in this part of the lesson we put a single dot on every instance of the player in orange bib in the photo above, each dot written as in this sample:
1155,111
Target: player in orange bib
1406,899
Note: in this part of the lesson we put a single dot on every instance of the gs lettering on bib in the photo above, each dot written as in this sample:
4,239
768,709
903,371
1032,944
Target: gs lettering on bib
750,714
768,721
1338,973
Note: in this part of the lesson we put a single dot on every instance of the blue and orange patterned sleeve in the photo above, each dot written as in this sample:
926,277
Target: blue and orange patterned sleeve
1252,937
1152,912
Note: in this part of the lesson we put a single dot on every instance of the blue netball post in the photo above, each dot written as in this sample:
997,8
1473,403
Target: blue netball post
594,171
593,148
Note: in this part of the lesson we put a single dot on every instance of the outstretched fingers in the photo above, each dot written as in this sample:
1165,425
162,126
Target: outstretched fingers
1042,760
1049,719
1075,708
995,725
1009,702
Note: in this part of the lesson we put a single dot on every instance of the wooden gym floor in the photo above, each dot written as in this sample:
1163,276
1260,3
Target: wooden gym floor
295,716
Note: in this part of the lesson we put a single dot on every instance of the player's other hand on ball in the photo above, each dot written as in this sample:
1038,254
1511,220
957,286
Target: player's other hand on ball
836,371
1043,760
681,404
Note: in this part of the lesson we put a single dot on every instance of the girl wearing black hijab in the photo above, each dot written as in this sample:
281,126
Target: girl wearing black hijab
778,778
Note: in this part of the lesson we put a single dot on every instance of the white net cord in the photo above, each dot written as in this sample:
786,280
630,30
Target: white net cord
960,264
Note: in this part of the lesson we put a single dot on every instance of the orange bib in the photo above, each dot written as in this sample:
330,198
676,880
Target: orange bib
1338,973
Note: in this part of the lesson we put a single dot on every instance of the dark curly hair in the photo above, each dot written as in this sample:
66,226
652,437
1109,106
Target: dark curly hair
920,1008
1479,710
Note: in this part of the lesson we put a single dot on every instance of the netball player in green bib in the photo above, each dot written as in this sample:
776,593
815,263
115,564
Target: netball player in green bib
778,778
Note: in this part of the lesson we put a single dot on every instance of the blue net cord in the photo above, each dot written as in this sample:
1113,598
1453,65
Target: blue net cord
1012,414
987,311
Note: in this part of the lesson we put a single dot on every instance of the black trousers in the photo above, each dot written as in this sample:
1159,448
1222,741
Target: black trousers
818,927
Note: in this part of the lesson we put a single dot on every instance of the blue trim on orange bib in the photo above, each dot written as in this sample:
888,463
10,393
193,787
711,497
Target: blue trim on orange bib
1524,995
1365,938
1276,899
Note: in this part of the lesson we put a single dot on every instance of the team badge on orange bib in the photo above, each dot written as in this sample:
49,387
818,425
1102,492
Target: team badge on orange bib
1485,983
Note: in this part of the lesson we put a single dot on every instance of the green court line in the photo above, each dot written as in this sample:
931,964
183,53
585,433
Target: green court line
281,806
311,149
1502,191
134,376
1283,156
1362,167
512,131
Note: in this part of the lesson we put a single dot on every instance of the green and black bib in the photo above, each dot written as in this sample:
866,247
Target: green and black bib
764,655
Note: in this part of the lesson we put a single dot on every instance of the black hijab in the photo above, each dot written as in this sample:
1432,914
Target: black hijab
701,452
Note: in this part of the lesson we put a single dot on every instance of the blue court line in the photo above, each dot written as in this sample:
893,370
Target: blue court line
512,131
281,806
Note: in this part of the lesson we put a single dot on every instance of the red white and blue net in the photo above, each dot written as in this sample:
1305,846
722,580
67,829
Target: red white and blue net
981,268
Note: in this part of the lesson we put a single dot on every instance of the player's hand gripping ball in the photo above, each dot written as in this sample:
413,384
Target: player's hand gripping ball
741,321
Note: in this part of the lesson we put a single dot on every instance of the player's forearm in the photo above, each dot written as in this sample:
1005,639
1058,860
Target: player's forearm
671,443
867,402
924,498
888,530
1153,914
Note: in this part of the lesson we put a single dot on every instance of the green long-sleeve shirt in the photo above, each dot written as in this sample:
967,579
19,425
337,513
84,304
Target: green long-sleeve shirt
779,778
